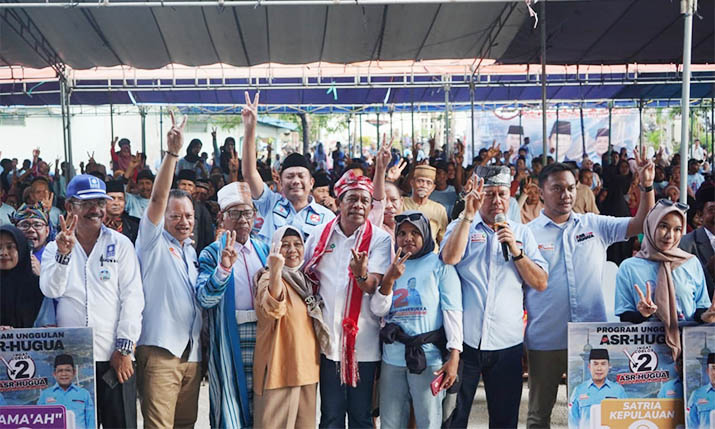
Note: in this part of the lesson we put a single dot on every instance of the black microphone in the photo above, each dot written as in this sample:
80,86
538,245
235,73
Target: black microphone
500,220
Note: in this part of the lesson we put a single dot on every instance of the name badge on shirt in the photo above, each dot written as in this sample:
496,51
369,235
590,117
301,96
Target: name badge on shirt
111,250
583,237
330,248
478,237
702,401
50,400
670,393
546,246
313,218
104,274
583,396
280,210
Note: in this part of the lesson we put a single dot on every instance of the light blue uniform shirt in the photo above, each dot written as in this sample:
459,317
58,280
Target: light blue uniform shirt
2,400
514,211
135,205
576,252
672,389
492,293
172,316
276,211
6,212
587,394
428,287
447,198
700,405
75,399
689,279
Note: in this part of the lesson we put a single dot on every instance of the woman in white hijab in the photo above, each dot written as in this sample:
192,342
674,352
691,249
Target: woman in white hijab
289,332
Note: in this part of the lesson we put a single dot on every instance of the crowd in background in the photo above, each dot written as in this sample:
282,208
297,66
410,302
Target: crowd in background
350,266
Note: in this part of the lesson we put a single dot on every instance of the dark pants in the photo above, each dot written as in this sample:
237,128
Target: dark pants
336,399
117,407
502,373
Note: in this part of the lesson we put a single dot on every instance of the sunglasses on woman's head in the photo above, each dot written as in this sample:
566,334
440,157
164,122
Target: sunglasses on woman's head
412,217
678,205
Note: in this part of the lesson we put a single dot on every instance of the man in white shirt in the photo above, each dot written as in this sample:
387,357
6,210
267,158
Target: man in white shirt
697,151
347,257
93,273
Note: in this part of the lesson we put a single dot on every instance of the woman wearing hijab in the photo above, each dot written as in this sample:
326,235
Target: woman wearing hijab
20,295
192,160
423,332
290,329
662,279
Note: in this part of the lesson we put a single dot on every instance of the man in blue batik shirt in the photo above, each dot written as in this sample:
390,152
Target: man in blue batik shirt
64,392
701,404
593,391
673,389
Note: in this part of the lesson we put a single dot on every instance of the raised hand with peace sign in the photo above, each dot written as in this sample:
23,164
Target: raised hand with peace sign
475,196
394,271
646,307
66,237
249,113
228,252
175,135
275,261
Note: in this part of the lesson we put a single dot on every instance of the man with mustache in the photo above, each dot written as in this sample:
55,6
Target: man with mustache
293,205
422,183
93,273
594,390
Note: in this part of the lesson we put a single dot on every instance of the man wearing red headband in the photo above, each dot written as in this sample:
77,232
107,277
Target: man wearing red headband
346,260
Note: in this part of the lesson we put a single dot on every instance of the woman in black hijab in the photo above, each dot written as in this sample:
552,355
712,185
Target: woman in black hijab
20,295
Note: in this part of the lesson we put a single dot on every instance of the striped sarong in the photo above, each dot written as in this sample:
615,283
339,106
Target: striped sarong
247,336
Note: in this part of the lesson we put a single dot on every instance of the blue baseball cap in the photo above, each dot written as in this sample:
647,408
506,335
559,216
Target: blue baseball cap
87,187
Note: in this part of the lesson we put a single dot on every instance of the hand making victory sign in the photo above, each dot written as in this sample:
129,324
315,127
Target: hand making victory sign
228,253
175,135
66,237
646,307
249,113
394,271
358,266
475,196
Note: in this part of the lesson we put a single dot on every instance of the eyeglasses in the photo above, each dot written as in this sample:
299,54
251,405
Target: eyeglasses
238,214
89,204
27,225
678,205
413,217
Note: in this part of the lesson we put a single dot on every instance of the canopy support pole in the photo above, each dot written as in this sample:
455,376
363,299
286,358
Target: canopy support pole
712,129
412,118
610,144
350,143
391,112
544,143
142,114
556,146
583,132
66,129
687,8
640,125
446,121
360,115
161,132
111,116
378,132
471,107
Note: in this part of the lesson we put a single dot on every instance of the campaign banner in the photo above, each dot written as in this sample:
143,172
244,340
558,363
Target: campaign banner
566,140
622,375
699,365
47,378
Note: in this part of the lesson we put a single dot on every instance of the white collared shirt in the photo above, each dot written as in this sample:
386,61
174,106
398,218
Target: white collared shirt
332,271
93,291
246,266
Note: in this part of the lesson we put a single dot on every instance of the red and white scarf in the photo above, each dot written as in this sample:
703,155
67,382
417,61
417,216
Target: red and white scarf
348,360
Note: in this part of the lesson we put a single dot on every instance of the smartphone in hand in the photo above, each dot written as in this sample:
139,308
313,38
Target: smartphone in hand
434,385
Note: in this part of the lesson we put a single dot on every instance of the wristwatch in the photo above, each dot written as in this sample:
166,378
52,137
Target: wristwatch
646,189
519,256
361,279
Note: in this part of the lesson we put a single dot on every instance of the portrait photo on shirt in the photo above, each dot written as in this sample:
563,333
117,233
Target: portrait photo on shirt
45,371
620,374
699,366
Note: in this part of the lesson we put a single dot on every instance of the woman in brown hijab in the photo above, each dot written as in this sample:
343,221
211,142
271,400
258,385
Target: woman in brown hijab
662,279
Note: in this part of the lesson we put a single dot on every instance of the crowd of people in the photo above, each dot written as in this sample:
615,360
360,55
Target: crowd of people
371,283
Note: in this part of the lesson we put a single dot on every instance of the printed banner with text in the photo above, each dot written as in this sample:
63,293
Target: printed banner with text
699,360
48,378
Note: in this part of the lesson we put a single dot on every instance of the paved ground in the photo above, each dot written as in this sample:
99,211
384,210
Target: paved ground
478,418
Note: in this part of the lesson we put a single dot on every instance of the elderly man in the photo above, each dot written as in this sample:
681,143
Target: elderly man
116,218
493,257
347,258
225,288
203,226
294,205
93,273
422,183
575,247
169,349
40,193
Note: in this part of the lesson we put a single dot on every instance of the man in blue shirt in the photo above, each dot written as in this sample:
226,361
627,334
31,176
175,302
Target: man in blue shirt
494,257
575,247
64,392
169,348
701,404
294,205
593,391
